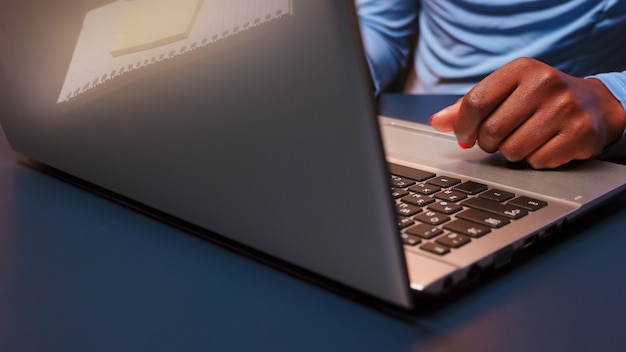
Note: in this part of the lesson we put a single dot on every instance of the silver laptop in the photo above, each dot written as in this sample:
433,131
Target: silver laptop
253,123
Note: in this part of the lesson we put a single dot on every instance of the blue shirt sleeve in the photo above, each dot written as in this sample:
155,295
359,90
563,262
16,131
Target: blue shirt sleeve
616,83
387,29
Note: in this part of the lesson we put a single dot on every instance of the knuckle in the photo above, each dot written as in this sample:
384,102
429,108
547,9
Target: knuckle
583,128
585,153
584,132
588,154
541,74
527,64
543,162
549,77
512,152
539,165
474,102
496,131
523,62
487,146
492,137
566,104
488,140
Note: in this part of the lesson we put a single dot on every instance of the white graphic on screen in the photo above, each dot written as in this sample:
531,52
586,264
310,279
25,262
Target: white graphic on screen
129,36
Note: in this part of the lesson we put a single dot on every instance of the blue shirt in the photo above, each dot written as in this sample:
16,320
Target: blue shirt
456,43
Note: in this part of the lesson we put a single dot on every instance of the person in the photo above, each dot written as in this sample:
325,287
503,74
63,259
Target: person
542,81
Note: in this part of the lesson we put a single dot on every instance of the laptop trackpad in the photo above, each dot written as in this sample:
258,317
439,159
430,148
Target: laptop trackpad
421,146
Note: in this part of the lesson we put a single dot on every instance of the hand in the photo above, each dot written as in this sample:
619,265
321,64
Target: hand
530,111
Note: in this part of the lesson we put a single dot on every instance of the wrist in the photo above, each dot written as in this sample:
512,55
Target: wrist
611,109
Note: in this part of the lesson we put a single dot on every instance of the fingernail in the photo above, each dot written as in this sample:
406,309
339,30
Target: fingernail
464,146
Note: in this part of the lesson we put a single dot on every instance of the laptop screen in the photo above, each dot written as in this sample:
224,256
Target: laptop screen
75,69
252,119
64,57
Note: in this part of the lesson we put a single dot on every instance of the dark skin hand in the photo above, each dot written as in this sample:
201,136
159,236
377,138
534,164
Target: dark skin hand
529,111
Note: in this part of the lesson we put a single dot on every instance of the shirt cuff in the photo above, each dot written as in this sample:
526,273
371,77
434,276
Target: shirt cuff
616,84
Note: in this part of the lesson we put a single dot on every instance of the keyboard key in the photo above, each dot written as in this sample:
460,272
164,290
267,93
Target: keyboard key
435,248
415,174
467,228
410,240
418,199
445,207
404,209
444,181
508,210
424,231
404,222
483,218
432,218
471,187
528,203
398,192
424,188
453,240
497,195
451,195
401,182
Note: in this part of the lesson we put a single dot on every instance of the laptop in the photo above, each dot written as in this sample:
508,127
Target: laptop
254,125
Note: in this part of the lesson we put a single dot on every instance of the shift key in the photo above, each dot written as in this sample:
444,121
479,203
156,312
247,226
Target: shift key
507,210
483,218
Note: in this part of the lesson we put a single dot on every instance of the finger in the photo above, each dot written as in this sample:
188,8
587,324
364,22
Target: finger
484,98
443,120
550,155
511,114
530,136
560,150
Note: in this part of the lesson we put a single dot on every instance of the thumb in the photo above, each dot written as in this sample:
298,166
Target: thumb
443,120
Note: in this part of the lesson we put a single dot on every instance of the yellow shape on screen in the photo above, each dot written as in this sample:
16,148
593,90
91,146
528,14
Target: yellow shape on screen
152,23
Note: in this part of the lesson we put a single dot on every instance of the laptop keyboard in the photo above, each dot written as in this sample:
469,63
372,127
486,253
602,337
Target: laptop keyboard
439,214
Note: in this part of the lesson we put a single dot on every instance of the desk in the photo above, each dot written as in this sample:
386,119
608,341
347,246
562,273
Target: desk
81,273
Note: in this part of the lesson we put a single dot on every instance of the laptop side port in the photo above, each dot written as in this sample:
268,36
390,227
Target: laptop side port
474,272
529,241
503,257
548,231
447,284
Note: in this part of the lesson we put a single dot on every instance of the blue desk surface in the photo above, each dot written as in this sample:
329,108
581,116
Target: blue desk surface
81,273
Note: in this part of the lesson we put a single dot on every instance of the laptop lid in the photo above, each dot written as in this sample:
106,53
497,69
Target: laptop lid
253,121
